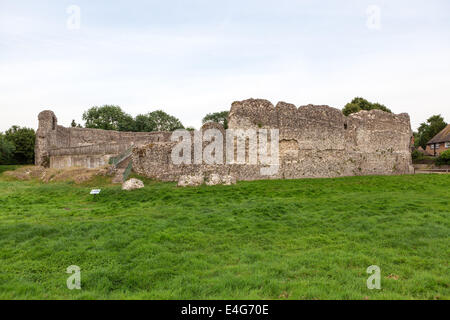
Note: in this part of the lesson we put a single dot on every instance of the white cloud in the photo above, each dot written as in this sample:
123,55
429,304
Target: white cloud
195,68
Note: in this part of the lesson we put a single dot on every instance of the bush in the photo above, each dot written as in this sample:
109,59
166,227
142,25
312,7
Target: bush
23,141
7,150
417,155
359,104
444,158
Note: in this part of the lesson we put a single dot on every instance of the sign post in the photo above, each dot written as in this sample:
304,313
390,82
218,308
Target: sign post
95,192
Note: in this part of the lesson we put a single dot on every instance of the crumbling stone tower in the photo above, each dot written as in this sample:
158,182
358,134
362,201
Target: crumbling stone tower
45,134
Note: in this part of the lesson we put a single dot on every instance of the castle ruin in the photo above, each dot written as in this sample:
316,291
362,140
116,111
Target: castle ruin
314,141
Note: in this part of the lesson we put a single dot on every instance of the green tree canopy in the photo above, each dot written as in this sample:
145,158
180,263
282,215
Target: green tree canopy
7,149
109,117
429,129
157,121
220,117
359,104
75,125
23,140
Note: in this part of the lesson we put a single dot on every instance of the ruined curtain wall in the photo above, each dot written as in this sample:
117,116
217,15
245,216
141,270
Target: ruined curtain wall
319,141
314,141
80,137
61,147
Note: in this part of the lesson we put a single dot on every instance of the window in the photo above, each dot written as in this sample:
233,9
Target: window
437,146
447,144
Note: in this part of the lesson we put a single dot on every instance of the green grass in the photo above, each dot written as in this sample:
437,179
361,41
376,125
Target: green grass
296,239
4,168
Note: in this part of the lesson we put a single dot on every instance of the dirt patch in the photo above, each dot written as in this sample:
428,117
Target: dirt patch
77,175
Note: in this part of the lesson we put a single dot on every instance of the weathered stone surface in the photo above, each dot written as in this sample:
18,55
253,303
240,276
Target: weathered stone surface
132,184
191,181
228,180
314,141
60,147
214,180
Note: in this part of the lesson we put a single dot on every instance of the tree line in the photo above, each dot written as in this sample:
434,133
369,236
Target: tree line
17,146
17,143
110,117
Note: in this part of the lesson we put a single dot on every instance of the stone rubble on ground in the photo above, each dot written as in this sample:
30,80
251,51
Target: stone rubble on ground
228,180
190,181
213,180
132,184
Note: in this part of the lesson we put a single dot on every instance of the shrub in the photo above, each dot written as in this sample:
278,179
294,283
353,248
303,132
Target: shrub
7,150
417,155
444,158
359,104
23,140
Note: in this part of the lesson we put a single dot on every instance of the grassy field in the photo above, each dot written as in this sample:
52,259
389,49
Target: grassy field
297,239
4,168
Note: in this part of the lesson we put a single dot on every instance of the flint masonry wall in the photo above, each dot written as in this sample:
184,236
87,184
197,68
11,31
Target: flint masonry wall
60,147
319,141
155,160
314,141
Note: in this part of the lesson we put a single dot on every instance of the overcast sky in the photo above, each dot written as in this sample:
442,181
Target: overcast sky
190,58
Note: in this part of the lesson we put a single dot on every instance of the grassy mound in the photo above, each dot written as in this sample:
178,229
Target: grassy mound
46,175
4,168
297,239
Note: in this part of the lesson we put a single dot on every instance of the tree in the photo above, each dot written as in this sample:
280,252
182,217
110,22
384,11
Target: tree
429,129
108,117
23,140
75,125
359,104
157,121
220,117
7,149
144,124
416,139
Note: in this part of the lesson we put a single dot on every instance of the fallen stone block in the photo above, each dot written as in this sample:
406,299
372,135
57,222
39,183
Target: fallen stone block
214,180
228,180
132,184
190,181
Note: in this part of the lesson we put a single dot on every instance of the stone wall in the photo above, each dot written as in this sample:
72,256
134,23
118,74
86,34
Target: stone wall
314,141
60,147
